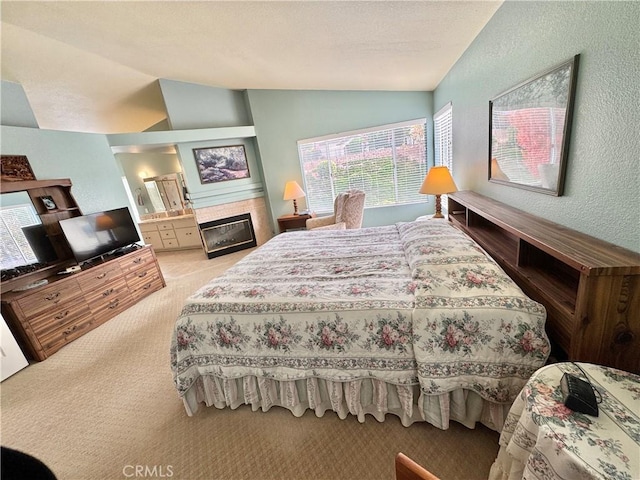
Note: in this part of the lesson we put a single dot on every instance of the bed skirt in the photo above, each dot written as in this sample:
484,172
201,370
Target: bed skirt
358,397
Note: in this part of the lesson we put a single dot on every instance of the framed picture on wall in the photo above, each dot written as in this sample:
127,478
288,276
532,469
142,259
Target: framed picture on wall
530,128
219,164
16,168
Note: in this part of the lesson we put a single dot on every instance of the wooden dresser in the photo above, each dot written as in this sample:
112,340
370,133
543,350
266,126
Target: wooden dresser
47,318
590,288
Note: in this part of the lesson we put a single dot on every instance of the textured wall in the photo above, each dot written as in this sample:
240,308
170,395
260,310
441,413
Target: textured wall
199,106
15,109
282,117
602,192
85,158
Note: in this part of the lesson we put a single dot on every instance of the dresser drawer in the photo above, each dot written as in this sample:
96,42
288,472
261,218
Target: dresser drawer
165,226
147,280
60,318
107,292
57,339
136,260
184,223
148,227
168,243
164,234
96,278
46,298
147,288
107,306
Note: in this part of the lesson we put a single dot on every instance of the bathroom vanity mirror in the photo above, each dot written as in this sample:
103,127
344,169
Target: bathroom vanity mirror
165,192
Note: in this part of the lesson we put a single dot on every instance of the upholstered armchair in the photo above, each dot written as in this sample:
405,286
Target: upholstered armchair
348,209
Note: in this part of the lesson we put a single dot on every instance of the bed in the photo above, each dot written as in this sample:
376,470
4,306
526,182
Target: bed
411,319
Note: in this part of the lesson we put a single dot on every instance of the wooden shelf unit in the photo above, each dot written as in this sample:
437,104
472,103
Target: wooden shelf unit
45,319
60,191
590,288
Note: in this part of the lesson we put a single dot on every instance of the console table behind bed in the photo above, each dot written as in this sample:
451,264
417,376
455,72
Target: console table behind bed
590,288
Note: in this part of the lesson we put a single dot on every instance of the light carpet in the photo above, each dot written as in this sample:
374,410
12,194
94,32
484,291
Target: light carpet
105,407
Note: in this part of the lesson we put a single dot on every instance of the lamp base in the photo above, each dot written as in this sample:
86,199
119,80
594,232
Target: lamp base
295,207
438,213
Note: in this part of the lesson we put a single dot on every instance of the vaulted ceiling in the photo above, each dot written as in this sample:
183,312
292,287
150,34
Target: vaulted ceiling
93,66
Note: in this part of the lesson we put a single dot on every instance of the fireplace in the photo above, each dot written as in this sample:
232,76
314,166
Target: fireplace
228,235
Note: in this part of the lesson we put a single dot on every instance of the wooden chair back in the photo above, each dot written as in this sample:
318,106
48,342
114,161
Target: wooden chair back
407,469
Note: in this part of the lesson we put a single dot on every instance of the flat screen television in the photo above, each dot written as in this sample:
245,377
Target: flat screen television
97,234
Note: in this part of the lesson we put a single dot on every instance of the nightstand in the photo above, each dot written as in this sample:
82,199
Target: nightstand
293,222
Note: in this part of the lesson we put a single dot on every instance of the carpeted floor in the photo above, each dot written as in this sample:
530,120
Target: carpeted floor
104,407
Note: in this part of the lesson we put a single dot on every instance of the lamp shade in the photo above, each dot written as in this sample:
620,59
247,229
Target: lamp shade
292,191
438,182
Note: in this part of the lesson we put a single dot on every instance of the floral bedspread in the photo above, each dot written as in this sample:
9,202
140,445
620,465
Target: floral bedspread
410,303
542,438
473,328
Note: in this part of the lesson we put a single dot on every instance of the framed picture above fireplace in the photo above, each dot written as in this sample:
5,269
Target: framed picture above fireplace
219,164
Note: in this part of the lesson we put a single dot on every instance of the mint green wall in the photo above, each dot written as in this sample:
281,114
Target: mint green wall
190,106
602,192
282,117
14,106
204,195
85,158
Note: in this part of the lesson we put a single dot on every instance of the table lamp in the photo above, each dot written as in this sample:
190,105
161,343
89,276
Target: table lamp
293,191
438,182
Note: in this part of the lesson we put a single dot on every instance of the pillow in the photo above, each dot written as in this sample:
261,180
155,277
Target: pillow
428,243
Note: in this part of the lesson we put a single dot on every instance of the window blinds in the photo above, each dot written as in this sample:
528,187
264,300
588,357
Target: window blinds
443,137
14,248
388,163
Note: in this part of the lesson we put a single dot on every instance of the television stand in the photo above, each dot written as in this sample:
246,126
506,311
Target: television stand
46,318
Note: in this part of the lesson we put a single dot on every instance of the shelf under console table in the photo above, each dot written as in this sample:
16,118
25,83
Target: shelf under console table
46,318
590,288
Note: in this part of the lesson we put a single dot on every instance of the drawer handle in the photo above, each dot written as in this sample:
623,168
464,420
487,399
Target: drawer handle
138,260
70,330
142,274
147,286
54,297
60,316
114,303
106,293
102,275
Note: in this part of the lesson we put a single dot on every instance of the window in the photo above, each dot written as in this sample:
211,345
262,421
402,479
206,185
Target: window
15,248
388,163
443,137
